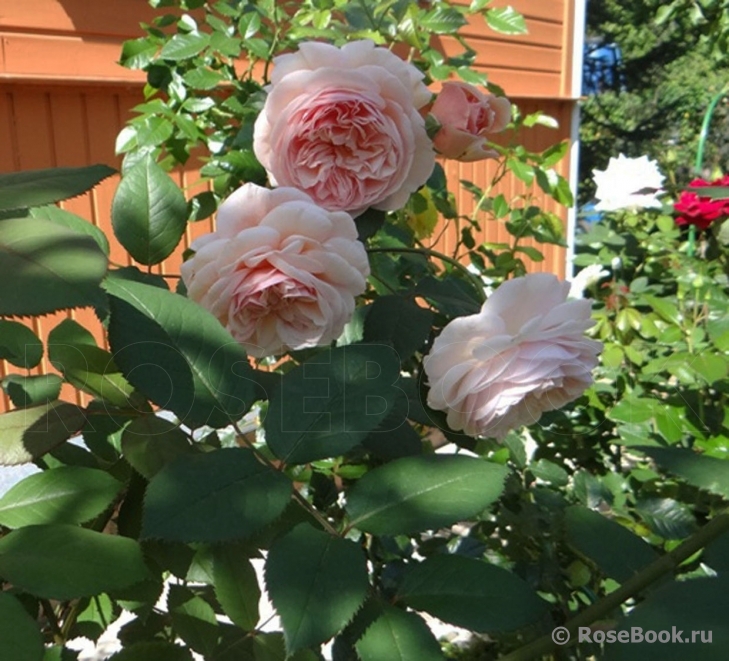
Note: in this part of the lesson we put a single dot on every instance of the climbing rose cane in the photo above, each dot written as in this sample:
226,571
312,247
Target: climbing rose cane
523,354
279,272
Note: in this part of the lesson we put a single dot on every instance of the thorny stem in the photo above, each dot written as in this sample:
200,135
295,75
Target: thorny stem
631,588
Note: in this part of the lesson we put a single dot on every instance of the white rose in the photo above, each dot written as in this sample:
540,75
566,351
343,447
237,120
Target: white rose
523,354
279,272
628,183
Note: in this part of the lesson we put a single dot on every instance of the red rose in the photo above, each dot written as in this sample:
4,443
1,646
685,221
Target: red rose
701,211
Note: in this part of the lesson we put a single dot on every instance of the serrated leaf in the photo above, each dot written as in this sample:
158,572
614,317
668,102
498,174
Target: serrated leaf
184,46
236,586
72,222
328,405
19,345
618,552
149,443
67,494
222,495
316,582
86,366
421,493
178,355
59,561
31,432
25,391
506,20
397,635
34,188
472,594
45,267
683,608
148,213
20,637
193,620
709,473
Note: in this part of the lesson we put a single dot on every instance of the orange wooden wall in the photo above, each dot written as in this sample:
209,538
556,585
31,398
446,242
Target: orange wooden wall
64,98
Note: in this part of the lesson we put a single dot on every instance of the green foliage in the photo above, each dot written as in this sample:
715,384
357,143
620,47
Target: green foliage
328,461
61,561
66,494
243,494
416,493
20,638
317,582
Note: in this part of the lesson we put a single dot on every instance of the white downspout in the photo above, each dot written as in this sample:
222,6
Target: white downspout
578,50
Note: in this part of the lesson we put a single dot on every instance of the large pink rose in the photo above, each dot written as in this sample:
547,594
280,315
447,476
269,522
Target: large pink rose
467,117
524,353
279,272
342,124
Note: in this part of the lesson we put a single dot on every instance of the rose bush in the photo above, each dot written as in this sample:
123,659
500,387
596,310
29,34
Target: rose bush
343,125
523,354
368,508
467,116
279,272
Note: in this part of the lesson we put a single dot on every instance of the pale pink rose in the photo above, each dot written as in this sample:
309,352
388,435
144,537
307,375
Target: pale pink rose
524,353
342,124
279,272
467,116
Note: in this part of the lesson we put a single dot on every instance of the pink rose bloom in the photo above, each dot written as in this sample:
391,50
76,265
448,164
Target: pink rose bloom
279,272
467,116
524,353
342,124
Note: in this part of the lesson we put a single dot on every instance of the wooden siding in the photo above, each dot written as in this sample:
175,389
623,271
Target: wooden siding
63,100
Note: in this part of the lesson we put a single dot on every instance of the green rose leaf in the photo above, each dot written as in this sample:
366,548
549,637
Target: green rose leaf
506,20
709,473
472,594
236,586
316,582
148,213
617,551
222,495
178,355
59,561
680,608
184,46
20,638
72,222
149,443
397,635
73,352
328,405
46,267
27,391
30,433
34,188
193,620
421,493
19,345
66,494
